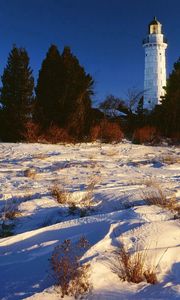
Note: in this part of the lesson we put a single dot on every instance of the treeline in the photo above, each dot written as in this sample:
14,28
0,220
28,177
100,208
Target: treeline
141,125
60,100
59,108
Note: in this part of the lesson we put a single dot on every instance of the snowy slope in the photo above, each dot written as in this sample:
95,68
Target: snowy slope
122,173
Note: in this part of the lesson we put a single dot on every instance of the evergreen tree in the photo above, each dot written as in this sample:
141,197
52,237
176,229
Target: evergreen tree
140,107
78,89
16,94
170,108
49,105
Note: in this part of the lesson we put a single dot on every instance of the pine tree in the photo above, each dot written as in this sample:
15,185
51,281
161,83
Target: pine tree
77,95
16,94
140,107
170,109
49,105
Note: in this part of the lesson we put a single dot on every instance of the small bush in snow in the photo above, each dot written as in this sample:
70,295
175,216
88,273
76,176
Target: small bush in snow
8,214
87,200
156,196
107,132
31,132
147,134
60,194
71,276
132,267
170,159
30,173
10,211
55,134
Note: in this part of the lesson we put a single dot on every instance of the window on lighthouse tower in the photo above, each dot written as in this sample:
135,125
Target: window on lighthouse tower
155,28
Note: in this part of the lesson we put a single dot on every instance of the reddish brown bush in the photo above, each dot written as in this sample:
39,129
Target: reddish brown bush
31,132
71,276
55,134
95,133
147,134
107,132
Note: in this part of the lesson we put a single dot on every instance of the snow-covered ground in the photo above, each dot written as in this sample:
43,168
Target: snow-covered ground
122,173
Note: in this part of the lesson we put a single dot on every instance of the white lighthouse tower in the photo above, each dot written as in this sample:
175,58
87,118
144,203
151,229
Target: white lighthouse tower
155,45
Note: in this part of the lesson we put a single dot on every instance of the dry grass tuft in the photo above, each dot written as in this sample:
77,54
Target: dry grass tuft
60,194
170,159
11,214
150,276
132,267
10,211
71,276
30,173
88,199
156,196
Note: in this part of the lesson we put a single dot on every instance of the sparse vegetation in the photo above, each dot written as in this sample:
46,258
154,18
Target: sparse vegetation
60,194
132,267
10,210
156,196
87,200
30,173
8,214
106,132
84,205
146,134
170,159
72,277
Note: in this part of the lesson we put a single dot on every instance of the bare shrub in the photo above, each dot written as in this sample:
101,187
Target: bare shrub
30,173
11,214
31,132
146,134
10,211
169,159
60,194
107,132
151,276
88,199
95,133
71,276
132,267
55,134
156,196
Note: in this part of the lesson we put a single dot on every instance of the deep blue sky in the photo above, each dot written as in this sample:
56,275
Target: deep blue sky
105,35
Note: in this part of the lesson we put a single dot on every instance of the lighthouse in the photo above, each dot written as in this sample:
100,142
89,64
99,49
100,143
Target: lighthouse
155,45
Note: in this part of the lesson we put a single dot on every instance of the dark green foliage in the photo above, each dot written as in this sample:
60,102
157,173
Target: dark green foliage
140,107
77,95
16,95
170,109
63,93
50,90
